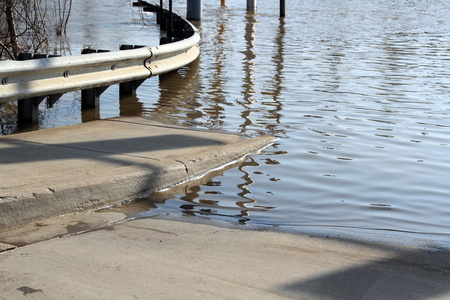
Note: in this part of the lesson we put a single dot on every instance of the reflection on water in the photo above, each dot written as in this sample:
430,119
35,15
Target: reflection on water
357,91
248,65
353,91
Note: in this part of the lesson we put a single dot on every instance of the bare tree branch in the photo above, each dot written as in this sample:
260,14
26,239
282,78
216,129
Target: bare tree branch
11,55
23,24
14,44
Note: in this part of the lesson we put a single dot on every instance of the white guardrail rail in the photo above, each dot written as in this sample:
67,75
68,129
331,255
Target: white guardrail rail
58,75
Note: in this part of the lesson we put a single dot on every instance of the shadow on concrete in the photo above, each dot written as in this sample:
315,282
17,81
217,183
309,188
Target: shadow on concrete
412,274
18,151
59,174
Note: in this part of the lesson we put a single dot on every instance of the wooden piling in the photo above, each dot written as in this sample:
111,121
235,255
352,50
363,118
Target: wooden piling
251,5
194,10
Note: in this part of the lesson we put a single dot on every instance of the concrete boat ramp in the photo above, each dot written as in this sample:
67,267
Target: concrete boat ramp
68,169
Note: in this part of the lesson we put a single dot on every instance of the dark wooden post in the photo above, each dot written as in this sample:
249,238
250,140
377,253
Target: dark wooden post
194,9
251,5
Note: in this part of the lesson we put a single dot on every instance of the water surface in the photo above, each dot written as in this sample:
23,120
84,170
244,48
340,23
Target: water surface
356,91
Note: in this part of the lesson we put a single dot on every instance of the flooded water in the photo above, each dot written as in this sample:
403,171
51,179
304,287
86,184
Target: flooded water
357,92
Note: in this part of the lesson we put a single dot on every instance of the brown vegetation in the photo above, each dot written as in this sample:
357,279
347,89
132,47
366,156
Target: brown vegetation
23,25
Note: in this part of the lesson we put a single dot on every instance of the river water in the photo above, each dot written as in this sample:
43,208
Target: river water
356,91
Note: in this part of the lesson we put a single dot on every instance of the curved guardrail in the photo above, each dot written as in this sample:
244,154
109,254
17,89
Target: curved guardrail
58,75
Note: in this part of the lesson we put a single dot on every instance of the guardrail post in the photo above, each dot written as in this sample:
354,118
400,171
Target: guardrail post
89,50
194,10
91,114
160,13
164,17
180,30
170,25
161,20
130,87
28,110
51,100
90,103
90,98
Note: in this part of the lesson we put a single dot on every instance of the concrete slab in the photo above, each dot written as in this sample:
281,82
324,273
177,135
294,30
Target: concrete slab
68,169
167,259
74,223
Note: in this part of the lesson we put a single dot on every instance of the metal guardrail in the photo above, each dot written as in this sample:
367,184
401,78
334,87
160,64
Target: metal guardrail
58,75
